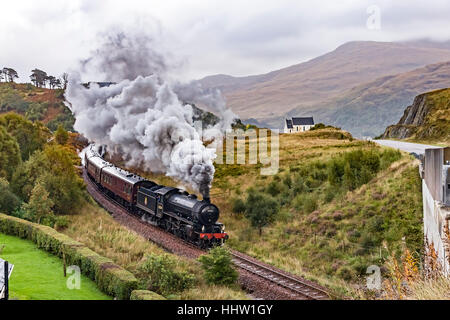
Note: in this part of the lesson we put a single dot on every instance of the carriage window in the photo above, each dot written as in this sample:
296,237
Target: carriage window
145,200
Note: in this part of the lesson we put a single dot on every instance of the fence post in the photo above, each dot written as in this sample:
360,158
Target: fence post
6,265
64,263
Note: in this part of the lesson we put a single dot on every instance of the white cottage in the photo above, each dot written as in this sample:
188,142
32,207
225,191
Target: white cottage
298,124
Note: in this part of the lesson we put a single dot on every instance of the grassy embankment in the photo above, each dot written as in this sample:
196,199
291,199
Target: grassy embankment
38,275
328,232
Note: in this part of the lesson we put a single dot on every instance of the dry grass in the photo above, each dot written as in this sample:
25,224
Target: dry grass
432,289
94,227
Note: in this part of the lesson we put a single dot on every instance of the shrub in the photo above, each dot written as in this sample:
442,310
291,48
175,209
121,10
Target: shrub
345,273
310,203
61,135
329,195
218,267
158,274
260,209
61,222
273,188
238,205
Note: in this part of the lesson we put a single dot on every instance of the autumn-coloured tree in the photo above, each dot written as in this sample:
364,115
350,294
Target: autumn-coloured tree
39,204
9,154
61,135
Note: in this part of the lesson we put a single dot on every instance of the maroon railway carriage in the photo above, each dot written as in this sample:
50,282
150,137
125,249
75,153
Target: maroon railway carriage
122,184
172,209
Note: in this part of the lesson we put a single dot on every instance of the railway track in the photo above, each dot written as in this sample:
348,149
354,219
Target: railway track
299,288
265,281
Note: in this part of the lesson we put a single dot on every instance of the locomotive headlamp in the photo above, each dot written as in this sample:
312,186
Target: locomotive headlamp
203,228
223,228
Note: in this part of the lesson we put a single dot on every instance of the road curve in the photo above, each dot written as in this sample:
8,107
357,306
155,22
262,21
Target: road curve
406,146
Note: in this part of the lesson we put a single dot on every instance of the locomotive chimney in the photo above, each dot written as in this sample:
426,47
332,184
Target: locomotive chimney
205,194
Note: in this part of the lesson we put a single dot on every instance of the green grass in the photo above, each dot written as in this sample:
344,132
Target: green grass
38,275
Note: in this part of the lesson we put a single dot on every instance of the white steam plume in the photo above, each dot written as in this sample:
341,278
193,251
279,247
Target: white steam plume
143,113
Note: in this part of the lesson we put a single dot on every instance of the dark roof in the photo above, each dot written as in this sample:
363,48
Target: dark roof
289,123
305,121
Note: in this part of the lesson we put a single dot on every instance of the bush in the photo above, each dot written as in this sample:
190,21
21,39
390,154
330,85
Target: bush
273,188
345,273
61,222
158,274
238,205
218,267
61,135
310,203
260,209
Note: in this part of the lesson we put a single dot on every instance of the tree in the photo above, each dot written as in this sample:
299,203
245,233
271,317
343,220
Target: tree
64,80
8,200
218,268
10,74
39,205
260,209
51,81
30,136
9,154
61,135
54,168
38,77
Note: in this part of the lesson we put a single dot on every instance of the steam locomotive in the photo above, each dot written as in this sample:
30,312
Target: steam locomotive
172,209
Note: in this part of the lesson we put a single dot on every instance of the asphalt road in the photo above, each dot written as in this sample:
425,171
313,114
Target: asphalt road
406,146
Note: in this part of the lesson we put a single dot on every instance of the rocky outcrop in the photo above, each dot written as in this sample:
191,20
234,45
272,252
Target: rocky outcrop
425,118
413,116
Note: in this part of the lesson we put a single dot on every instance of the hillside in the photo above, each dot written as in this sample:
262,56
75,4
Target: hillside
307,84
427,119
368,109
35,103
324,228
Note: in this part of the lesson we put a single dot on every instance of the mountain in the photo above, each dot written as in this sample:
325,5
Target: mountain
368,109
427,119
307,84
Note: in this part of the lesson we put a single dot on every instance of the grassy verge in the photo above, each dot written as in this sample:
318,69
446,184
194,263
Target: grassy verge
38,275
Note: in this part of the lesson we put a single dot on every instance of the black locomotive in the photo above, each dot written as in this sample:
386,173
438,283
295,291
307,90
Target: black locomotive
172,209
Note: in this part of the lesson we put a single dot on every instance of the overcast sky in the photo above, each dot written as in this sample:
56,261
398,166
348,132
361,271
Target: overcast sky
240,37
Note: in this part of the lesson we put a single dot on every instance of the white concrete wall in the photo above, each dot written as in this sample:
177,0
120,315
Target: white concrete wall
434,219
